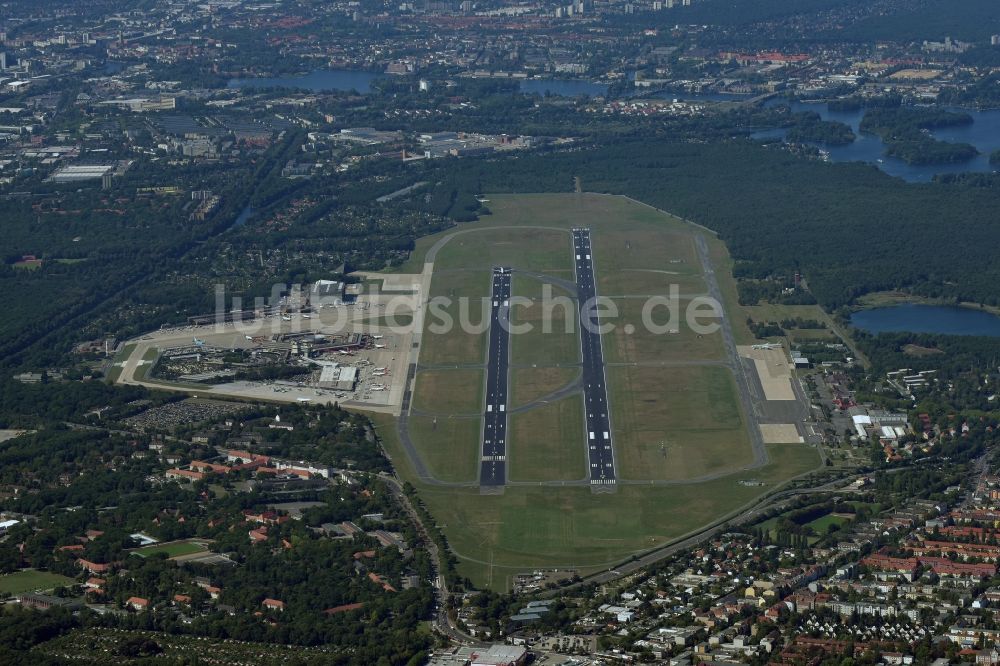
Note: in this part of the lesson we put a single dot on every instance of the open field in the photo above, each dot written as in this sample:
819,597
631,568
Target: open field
548,443
677,423
449,392
542,250
822,525
570,527
173,549
632,341
646,261
547,342
530,384
447,338
30,580
449,446
675,416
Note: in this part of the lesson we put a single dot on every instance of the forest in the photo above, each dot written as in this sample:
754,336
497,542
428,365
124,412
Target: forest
905,133
849,228
809,127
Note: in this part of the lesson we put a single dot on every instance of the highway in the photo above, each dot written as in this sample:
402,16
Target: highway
493,463
598,418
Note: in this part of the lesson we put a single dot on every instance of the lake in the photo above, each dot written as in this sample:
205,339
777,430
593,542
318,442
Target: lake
983,133
321,80
563,87
917,318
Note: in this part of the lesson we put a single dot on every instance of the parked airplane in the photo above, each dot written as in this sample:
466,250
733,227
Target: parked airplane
200,343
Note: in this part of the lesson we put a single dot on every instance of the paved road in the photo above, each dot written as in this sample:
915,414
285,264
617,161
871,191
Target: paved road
760,457
598,417
442,621
493,463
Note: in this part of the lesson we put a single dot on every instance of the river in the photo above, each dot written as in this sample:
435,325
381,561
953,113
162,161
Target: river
918,318
983,133
563,87
321,80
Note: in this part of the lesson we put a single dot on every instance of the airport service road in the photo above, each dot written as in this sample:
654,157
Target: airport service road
600,452
493,465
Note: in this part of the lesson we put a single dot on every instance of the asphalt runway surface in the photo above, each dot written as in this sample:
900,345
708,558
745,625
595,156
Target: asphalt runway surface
493,463
599,448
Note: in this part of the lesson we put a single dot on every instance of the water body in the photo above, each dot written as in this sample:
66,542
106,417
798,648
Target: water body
983,133
321,80
244,215
916,318
563,87
701,97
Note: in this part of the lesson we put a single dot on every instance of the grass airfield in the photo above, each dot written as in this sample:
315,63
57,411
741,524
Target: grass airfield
680,434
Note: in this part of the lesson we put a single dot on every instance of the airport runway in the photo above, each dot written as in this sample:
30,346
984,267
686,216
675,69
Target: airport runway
598,417
493,462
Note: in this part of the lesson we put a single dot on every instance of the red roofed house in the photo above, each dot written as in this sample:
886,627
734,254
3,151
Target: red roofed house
273,604
93,567
376,578
184,474
343,609
137,603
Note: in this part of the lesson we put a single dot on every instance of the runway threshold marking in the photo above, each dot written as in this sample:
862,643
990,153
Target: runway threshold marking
600,450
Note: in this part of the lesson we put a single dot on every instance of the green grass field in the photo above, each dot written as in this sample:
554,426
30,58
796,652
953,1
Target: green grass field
570,527
29,581
676,423
448,392
548,443
457,319
550,324
541,250
822,525
633,340
530,384
449,446
174,549
693,409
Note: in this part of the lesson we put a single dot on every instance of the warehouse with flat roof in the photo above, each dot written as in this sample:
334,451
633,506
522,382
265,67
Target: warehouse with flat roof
338,377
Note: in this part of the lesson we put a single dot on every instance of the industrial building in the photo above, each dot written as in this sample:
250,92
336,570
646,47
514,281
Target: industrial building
338,377
327,292
80,172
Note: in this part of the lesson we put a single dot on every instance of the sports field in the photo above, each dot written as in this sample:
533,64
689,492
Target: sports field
173,549
30,581
676,412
